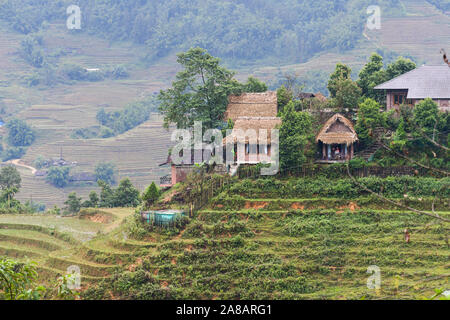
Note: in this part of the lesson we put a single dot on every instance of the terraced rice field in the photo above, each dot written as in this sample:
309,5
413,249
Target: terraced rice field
253,252
56,243
137,154
319,251
56,112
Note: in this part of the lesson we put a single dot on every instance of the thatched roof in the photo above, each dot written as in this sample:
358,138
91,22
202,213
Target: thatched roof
306,95
262,104
257,124
337,130
320,97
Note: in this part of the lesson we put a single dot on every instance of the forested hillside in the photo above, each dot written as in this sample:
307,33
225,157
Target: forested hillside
244,29
444,5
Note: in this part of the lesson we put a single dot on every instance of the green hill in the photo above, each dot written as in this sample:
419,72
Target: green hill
413,28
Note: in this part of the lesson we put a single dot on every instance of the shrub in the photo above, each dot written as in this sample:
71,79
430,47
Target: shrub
19,133
13,153
58,176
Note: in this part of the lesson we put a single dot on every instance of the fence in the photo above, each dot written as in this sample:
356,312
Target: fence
340,171
210,187
213,185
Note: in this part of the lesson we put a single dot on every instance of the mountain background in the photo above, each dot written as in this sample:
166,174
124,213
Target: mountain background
39,57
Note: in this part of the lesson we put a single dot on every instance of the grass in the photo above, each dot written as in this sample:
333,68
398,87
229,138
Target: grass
56,243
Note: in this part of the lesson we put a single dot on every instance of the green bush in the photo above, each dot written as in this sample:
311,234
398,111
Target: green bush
392,187
19,133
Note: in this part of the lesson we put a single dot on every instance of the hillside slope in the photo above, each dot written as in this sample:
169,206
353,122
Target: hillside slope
55,112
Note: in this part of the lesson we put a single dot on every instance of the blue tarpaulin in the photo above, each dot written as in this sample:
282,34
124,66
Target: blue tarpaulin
162,217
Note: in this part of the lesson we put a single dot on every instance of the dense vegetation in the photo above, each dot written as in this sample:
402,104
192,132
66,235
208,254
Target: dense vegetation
391,187
10,184
253,254
113,123
444,5
120,121
243,30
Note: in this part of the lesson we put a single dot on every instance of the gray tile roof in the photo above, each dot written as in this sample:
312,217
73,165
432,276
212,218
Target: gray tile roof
423,82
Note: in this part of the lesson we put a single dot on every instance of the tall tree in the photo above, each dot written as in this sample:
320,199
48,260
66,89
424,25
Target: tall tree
126,195
369,118
399,67
73,203
371,75
347,95
10,183
58,176
254,85
19,133
295,134
105,171
10,178
151,194
342,72
200,91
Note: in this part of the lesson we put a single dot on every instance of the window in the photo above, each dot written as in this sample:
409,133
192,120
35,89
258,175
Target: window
398,99
401,99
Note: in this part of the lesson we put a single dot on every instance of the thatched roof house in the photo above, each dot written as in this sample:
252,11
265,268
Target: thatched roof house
262,104
337,130
257,124
252,111
337,138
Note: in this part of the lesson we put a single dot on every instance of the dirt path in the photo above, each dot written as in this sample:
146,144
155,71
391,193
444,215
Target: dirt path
17,162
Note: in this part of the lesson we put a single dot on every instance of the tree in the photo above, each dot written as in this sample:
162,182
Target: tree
13,153
426,116
126,195
342,72
283,97
92,202
106,171
151,194
10,183
39,162
106,195
93,198
371,75
295,134
10,178
200,92
17,281
369,118
73,203
102,116
58,176
19,133
399,67
347,95
254,85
